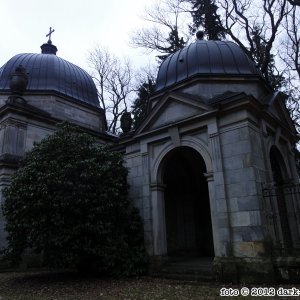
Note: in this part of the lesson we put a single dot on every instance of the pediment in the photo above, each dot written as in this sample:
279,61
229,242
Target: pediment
173,108
277,108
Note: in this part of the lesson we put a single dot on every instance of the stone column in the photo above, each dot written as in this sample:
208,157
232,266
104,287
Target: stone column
158,219
219,204
213,213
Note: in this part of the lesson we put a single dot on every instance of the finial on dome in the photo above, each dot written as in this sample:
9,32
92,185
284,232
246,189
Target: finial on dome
200,35
18,81
48,48
49,34
18,84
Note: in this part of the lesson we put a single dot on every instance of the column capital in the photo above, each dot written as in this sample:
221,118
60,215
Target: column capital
209,176
158,187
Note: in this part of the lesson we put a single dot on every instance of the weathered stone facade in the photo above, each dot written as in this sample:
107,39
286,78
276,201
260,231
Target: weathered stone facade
235,146
201,165
233,123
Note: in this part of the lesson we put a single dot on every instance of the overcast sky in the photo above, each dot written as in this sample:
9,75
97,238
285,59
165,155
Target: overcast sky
79,25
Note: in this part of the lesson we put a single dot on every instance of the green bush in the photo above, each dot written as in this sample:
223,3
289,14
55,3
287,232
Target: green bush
68,202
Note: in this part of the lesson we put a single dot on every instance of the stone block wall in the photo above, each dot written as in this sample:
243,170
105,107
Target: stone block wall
139,188
67,110
243,165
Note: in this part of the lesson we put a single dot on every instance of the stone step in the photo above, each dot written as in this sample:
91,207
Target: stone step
196,277
199,269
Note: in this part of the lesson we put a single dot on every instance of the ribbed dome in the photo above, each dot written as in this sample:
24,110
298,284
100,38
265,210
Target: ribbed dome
50,73
205,59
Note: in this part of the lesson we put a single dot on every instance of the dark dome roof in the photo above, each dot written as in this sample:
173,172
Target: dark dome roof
205,59
50,73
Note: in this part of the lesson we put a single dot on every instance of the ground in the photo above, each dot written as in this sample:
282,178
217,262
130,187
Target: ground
63,286
69,285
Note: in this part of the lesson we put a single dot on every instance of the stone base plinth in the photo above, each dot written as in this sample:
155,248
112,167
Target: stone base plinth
287,269
244,270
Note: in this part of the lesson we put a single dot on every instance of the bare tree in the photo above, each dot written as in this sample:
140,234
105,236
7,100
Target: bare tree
114,80
272,39
145,73
295,2
255,34
167,31
290,56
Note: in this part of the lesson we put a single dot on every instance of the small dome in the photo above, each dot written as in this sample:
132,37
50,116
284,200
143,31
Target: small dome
50,73
205,59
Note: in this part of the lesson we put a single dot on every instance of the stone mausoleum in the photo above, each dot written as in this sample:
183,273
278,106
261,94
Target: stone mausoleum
211,168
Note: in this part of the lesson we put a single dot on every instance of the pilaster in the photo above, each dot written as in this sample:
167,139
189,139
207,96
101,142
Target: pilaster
158,219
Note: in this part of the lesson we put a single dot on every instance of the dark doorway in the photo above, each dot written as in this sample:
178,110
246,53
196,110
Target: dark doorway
278,170
188,221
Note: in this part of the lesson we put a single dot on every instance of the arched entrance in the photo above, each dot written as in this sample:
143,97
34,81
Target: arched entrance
279,173
187,209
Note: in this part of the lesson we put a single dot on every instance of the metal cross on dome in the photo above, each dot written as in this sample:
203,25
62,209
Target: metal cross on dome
49,34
